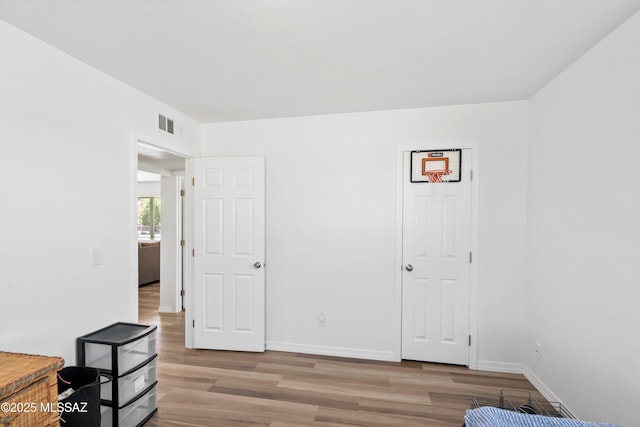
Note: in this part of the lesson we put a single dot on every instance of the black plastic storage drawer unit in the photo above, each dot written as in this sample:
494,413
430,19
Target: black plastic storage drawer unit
126,351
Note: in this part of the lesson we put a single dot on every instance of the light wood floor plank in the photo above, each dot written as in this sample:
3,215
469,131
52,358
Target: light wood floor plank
205,388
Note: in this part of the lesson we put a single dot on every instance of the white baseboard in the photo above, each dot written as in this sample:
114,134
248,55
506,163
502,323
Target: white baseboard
355,353
167,309
546,392
489,365
516,368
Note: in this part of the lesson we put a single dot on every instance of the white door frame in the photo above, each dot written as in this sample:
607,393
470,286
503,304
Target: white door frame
473,282
133,227
187,260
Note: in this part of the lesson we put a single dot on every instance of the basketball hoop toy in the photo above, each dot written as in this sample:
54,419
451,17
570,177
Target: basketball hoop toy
435,166
436,175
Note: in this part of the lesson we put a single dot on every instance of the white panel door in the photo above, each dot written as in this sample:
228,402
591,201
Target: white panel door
228,253
436,268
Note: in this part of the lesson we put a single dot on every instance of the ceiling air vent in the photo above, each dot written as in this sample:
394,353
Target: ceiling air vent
165,124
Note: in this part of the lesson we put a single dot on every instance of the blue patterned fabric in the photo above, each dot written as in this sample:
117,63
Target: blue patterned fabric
487,416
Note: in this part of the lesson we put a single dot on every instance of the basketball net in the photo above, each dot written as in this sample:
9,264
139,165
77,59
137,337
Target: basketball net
436,174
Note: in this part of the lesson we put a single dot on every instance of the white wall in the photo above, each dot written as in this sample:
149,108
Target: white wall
67,174
149,189
170,249
583,231
331,197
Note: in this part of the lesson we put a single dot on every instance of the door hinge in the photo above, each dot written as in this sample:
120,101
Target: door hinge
469,340
471,175
182,242
182,193
193,182
470,257
193,323
193,252
181,292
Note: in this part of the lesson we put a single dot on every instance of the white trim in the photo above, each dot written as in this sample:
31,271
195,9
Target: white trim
187,259
167,309
397,291
517,368
133,227
473,279
506,367
547,392
355,353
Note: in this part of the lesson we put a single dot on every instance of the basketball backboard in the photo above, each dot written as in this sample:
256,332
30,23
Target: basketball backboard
436,165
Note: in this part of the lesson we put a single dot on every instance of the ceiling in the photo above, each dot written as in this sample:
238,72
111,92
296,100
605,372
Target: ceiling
154,162
223,60
144,176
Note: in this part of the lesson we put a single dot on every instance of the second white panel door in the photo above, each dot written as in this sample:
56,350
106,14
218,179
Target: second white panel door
436,268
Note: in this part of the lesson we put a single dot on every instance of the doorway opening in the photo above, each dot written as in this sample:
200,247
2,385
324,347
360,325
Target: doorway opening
159,218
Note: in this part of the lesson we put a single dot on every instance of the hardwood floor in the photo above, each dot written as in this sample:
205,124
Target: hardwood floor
277,389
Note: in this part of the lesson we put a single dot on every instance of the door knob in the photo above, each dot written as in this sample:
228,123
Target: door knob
409,267
257,264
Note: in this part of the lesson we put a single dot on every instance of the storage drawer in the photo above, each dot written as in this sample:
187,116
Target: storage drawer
106,415
132,384
134,413
129,355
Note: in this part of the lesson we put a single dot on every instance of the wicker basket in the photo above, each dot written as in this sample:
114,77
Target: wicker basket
518,401
28,384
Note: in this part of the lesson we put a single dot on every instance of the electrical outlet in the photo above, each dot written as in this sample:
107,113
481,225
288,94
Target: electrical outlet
322,319
538,351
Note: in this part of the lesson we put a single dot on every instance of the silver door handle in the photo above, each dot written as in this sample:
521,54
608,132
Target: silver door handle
257,264
409,267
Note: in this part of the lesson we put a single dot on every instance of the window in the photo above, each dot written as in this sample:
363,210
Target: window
149,218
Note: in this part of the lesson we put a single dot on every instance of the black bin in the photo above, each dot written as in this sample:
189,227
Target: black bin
82,407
